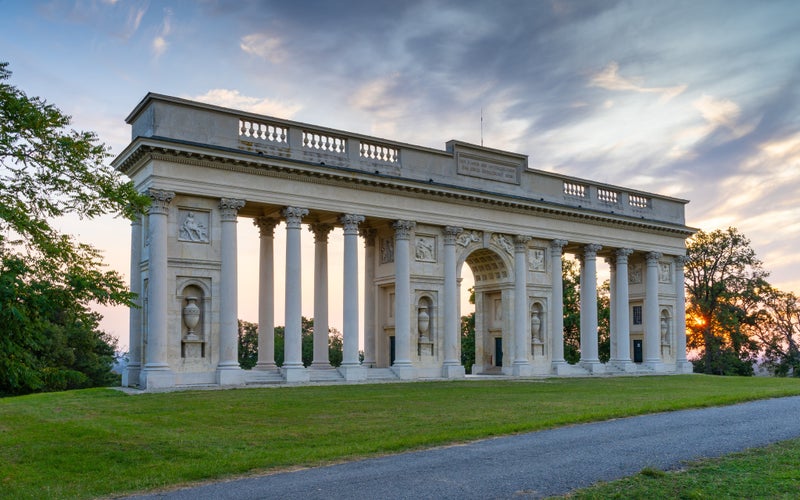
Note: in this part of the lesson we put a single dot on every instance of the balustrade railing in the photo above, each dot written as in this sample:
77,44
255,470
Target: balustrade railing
324,142
263,131
575,189
379,152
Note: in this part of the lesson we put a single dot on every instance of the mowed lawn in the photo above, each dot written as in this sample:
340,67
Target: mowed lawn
83,444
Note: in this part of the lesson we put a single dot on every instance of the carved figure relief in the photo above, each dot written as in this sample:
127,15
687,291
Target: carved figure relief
664,273
635,274
503,242
194,226
467,237
536,260
664,328
387,250
425,249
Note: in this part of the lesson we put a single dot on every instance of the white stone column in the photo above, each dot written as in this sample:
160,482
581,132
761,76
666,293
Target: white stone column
652,341
156,372
557,305
589,357
612,301
351,369
522,334
130,376
293,369
451,367
402,299
228,370
683,366
621,308
368,234
321,359
266,293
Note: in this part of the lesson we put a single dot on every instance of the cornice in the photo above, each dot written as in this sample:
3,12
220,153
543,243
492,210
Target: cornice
136,155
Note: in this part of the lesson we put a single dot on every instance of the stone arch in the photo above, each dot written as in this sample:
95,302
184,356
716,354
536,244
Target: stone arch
492,270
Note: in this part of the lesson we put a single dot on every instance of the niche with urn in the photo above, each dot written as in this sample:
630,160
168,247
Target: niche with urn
194,320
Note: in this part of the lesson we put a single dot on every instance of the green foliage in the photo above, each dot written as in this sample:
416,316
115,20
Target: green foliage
248,344
48,280
468,341
724,282
778,329
572,310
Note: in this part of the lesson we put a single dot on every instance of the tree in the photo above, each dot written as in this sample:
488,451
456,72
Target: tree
467,329
724,283
778,330
248,344
572,310
47,279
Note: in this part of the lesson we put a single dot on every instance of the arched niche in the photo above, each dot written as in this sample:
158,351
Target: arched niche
195,324
426,326
538,328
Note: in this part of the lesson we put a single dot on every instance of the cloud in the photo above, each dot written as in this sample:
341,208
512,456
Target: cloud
264,46
610,79
160,43
133,21
234,99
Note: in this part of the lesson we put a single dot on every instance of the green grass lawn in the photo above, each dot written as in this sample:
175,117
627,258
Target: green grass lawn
102,442
771,472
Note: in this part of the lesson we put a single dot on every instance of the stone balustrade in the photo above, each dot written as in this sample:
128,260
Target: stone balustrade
485,171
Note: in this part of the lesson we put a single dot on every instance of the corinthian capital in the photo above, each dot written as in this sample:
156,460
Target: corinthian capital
590,250
159,201
450,234
521,243
229,208
266,225
652,258
351,222
402,229
294,216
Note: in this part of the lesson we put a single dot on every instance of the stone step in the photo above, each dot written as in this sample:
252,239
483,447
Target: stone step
381,374
254,377
324,375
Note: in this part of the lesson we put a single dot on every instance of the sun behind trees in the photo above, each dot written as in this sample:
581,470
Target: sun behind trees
734,316
50,338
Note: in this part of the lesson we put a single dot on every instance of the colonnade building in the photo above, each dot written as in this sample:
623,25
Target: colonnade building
421,214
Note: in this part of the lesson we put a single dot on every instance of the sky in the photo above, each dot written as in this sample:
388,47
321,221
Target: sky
693,99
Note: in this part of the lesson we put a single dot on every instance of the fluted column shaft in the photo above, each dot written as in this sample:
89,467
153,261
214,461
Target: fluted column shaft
612,303
589,351
293,355
557,307
266,293
156,358
321,357
622,307
680,310
652,324
402,293
135,315
229,300
521,324
350,290
452,358
369,295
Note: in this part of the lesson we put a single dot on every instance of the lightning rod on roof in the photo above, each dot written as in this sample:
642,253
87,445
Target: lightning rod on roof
481,126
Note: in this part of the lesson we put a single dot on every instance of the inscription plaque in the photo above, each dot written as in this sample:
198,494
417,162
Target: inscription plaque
484,168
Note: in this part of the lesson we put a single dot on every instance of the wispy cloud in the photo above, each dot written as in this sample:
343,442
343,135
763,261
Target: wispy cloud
134,20
264,46
160,43
231,98
610,79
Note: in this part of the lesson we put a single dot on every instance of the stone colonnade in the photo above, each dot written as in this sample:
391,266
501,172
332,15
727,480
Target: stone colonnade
156,370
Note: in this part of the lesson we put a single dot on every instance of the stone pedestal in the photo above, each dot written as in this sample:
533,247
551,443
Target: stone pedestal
295,374
453,371
404,372
156,379
230,376
353,373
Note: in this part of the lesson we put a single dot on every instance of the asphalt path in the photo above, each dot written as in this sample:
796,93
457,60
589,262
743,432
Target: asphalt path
532,465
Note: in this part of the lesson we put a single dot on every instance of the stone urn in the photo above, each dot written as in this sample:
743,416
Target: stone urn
191,316
536,326
423,322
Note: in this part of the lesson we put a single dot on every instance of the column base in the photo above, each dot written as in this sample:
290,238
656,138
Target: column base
656,366
453,371
230,376
404,371
265,367
624,366
521,369
562,368
156,378
593,367
353,372
295,374
368,363
684,367
131,375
